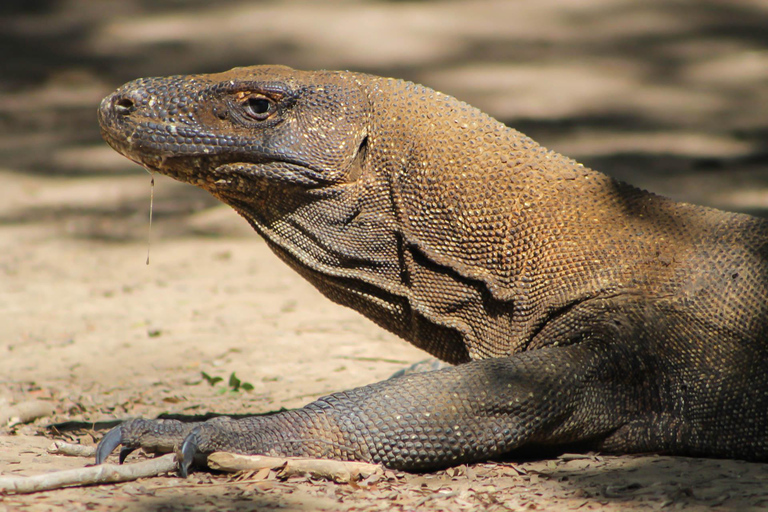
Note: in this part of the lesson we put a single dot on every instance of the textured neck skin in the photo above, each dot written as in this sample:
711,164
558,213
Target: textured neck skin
594,312
437,222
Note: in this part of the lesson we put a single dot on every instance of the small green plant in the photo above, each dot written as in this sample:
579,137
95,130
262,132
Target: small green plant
234,384
211,380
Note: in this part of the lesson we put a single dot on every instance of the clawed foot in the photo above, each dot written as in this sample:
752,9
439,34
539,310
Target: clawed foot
109,442
158,436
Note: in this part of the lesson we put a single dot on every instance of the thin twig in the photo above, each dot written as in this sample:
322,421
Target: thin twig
73,450
25,412
336,470
105,473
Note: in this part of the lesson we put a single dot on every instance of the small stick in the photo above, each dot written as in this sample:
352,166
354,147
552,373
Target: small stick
335,470
106,473
73,450
25,412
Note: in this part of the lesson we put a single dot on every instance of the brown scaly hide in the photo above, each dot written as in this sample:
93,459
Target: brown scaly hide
592,311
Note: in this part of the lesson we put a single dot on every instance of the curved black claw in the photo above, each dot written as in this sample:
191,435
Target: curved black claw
188,453
124,452
109,442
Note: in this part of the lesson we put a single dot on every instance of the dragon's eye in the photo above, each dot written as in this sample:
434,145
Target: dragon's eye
258,108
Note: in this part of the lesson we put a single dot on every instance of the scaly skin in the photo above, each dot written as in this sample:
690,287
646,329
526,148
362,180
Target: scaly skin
578,309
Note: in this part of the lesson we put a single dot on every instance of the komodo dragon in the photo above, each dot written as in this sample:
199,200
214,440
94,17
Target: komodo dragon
579,310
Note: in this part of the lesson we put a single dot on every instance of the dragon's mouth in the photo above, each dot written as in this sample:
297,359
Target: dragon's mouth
215,174
208,160
198,167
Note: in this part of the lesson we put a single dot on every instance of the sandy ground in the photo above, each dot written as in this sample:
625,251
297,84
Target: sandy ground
672,96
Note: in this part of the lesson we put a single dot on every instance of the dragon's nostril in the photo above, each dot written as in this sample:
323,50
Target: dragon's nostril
124,106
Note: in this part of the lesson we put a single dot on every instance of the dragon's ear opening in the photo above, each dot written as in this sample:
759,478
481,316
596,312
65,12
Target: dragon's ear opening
356,167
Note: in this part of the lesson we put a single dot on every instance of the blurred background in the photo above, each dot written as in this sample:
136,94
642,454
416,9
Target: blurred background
671,95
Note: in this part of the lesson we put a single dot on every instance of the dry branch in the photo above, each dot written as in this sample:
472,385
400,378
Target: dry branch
72,450
338,471
106,473
25,412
